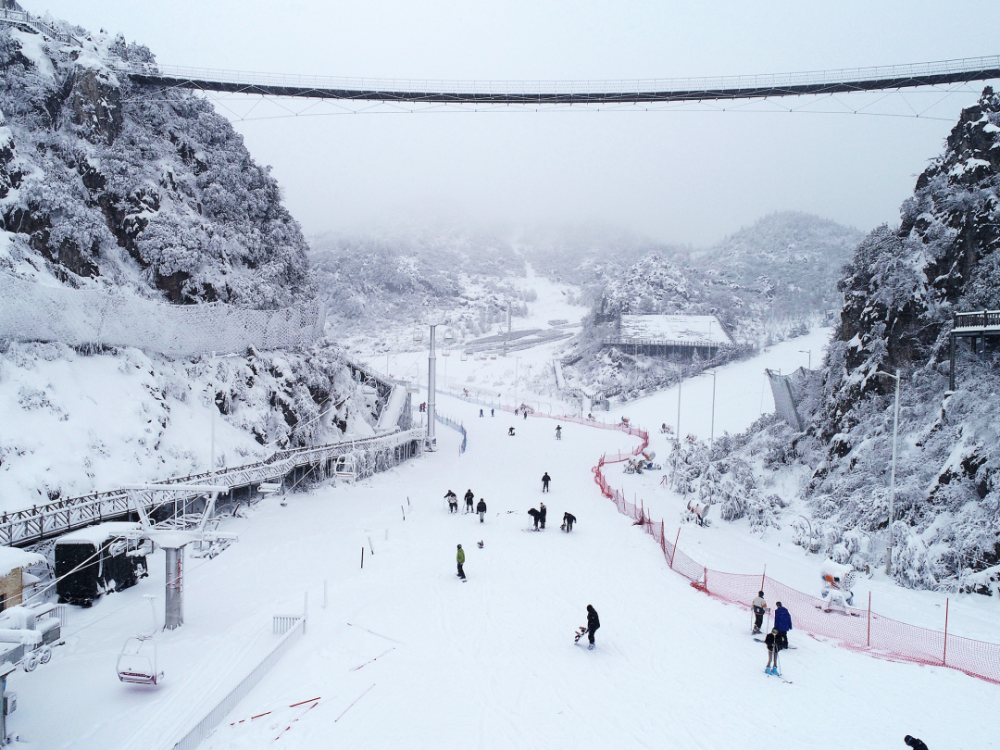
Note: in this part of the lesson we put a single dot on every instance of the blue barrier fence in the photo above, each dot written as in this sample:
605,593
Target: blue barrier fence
455,425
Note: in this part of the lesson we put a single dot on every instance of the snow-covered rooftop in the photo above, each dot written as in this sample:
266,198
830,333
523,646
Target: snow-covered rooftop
12,558
701,328
100,533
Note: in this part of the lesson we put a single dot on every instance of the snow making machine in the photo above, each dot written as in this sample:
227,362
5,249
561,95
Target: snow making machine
837,582
99,559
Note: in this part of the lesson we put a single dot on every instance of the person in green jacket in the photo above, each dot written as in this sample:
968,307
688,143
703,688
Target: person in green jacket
461,562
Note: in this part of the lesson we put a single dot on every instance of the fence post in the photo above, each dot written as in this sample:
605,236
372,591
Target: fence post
674,552
944,657
868,641
706,578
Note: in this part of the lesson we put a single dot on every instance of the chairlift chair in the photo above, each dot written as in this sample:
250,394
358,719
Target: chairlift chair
446,352
418,334
137,662
464,357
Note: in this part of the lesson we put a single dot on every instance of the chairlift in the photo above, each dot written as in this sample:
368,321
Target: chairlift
345,469
464,357
418,334
493,355
412,387
446,352
137,662
448,337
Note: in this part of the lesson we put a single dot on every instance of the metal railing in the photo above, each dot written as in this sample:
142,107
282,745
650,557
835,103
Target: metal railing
455,425
25,20
690,343
197,734
23,527
980,319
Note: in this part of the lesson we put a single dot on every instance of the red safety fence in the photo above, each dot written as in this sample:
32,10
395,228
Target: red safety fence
859,629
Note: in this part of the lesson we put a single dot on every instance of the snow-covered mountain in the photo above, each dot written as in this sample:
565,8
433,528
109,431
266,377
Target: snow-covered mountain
144,192
900,290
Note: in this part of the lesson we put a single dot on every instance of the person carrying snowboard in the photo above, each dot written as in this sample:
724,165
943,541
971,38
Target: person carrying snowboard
568,520
461,561
481,509
534,515
759,608
452,499
469,497
593,623
542,511
783,623
558,432
545,481
771,641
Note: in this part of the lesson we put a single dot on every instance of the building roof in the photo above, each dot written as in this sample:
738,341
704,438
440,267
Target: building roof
12,558
677,328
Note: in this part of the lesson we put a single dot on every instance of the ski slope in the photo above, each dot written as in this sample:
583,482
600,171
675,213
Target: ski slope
428,661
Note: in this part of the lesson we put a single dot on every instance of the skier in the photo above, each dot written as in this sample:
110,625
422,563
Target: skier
545,481
542,510
772,652
568,520
469,497
783,623
510,431
914,743
461,562
452,499
558,432
534,515
481,509
759,608
491,413
525,413
593,623
480,412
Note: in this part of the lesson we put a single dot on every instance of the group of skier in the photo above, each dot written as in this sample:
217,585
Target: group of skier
777,639
452,499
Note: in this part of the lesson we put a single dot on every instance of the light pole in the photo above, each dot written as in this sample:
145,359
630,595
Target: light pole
892,481
810,353
680,379
517,361
711,439
430,442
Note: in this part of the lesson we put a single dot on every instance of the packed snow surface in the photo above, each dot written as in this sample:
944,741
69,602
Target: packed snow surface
404,654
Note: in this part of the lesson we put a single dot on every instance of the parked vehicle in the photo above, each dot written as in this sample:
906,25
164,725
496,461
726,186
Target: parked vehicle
99,559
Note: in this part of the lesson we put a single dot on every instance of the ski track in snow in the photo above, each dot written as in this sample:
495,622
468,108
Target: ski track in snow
489,663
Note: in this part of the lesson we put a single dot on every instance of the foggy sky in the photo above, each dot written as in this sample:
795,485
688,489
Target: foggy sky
679,177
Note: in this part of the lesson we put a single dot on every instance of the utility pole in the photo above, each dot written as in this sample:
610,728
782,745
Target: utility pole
810,353
711,439
430,442
680,379
892,481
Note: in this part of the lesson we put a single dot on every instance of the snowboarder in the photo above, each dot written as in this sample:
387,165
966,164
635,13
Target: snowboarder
568,520
783,623
558,432
510,431
545,481
759,608
452,499
771,641
480,412
481,509
542,510
914,743
593,623
534,515
461,562
469,497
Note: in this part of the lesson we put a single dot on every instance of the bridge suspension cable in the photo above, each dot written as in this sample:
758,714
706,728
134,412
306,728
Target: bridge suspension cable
638,91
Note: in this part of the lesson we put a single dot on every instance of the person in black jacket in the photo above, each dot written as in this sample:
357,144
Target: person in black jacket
593,623
469,497
914,743
452,499
534,515
542,510
771,641
481,509
568,520
545,481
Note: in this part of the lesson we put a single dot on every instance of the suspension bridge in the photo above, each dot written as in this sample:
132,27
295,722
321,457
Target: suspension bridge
639,91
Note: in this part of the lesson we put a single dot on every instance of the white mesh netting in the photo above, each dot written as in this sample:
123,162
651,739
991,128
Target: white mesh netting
32,312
